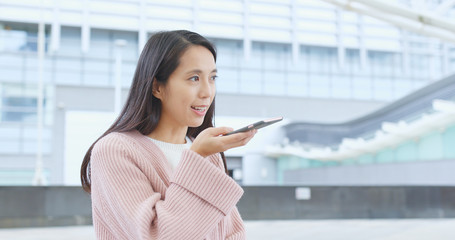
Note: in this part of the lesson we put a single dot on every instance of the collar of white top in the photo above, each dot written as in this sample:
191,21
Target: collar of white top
187,139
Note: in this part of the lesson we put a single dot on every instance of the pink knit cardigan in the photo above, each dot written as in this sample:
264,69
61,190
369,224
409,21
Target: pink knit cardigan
136,194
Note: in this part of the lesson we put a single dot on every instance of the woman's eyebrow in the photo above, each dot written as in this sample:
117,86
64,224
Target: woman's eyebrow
200,71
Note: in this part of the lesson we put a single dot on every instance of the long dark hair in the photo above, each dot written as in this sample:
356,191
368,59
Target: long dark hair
142,111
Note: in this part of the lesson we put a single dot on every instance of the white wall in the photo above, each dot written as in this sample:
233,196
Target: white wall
82,128
414,173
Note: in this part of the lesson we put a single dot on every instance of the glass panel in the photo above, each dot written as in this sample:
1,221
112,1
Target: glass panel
406,152
341,86
9,147
361,88
431,147
229,53
68,64
319,85
274,83
18,103
448,140
227,80
251,81
383,63
321,59
297,84
382,89
275,56
419,66
70,41
352,60
384,156
97,72
256,57
128,69
18,109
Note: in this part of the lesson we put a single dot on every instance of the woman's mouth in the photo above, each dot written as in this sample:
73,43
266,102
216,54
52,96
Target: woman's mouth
199,110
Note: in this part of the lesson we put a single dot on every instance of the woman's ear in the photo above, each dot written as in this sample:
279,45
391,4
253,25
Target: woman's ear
157,89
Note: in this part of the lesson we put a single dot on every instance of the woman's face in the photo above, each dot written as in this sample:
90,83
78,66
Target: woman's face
190,89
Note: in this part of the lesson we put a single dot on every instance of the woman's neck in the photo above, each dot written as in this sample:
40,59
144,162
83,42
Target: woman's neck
169,134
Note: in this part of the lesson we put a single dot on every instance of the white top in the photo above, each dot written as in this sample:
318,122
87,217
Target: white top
173,152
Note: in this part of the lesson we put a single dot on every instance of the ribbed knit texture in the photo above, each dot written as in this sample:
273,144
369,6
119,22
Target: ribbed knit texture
137,195
172,152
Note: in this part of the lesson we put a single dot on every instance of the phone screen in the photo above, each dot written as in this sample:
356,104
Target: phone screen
256,125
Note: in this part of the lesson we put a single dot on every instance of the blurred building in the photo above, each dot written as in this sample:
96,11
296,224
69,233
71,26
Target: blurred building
407,142
309,61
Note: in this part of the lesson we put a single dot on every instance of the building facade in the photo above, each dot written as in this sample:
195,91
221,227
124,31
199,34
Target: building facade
291,53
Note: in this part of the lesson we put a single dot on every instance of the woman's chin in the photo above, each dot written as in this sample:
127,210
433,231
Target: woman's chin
196,124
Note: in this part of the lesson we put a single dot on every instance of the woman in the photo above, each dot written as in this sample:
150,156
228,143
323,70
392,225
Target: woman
159,171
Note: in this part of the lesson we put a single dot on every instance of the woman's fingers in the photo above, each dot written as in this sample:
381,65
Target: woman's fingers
211,141
219,131
238,139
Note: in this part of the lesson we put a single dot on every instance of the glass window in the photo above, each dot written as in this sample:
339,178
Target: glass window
8,146
98,72
341,86
70,42
385,155
276,56
448,138
18,103
68,77
297,84
128,69
319,85
406,152
227,80
68,64
401,86
361,88
21,37
431,147
19,109
383,89
299,66
102,44
130,50
68,70
383,63
418,66
321,59
251,81
275,83
229,52
11,66
352,60
256,57
452,66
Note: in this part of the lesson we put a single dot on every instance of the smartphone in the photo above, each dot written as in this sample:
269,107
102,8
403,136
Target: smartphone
256,125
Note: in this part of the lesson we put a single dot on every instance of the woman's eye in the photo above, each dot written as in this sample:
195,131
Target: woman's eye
194,78
213,78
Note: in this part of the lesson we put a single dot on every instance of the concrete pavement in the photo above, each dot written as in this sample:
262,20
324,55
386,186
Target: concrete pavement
395,229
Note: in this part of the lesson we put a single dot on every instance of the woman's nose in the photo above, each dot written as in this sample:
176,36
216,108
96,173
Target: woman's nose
205,89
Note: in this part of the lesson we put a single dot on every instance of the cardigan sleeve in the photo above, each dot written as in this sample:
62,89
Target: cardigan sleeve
197,199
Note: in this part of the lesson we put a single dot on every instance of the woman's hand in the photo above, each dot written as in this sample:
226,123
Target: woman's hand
211,141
